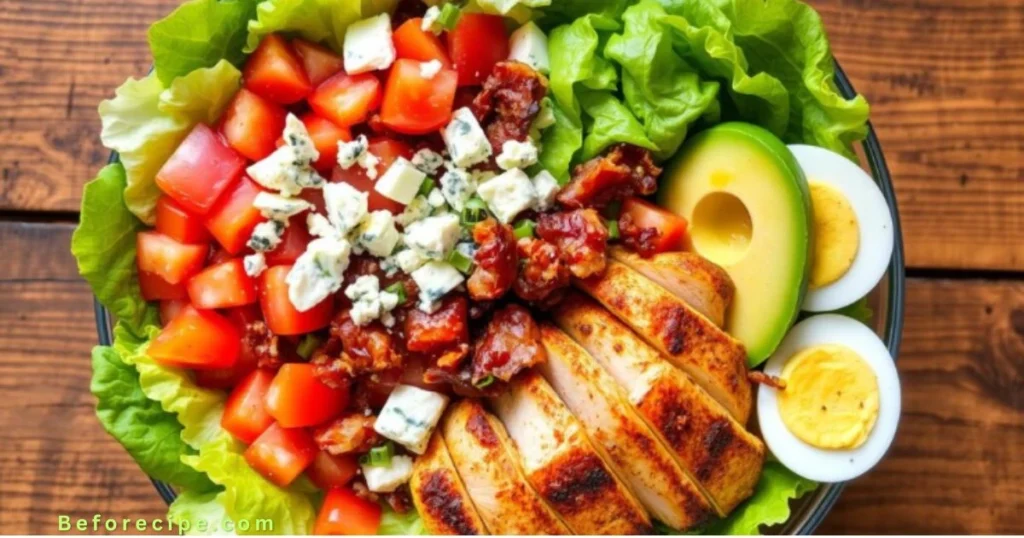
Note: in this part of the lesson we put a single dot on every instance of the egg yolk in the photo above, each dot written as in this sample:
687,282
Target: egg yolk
831,397
836,235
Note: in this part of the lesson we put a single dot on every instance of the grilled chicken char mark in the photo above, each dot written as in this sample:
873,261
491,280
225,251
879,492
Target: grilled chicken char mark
439,495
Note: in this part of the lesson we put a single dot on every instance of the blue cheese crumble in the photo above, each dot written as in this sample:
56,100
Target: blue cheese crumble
467,144
427,161
368,45
508,195
318,272
457,187
430,21
419,208
377,234
429,70
434,237
547,188
345,206
515,154
350,152
266,236
288,169
277,207
529,45
380,479
369,303
409,416
254,264
435,279
401,182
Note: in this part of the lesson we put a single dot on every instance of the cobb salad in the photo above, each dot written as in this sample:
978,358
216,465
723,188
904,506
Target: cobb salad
489,267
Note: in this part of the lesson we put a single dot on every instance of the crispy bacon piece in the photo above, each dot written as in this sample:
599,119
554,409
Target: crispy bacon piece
399,500
496,261
624,170
352,350
347,434
269,349
447,327
542,274
638,239
509,345
580,237
509,101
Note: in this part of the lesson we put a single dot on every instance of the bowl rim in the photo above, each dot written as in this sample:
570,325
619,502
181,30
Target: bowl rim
813,509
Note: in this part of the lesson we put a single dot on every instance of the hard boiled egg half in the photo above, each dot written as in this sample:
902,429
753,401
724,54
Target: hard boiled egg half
852,229
837,414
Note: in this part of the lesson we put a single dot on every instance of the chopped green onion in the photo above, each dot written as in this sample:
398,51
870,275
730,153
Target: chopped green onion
474,211
379,456
485,382
398,289
476,202
307,346
449,16
613,210
426,187
613,229
524,228
461,262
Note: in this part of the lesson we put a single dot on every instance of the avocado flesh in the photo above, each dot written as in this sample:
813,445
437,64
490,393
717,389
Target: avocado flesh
749,211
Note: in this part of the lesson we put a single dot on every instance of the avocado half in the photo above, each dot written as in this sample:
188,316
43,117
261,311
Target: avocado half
749,211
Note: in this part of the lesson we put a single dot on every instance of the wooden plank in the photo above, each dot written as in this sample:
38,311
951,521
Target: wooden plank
56,459
944,80
958,462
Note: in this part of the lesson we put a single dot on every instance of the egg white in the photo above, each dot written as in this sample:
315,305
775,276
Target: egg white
873,220
831,465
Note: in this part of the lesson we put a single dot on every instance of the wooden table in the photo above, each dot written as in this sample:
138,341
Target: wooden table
945,81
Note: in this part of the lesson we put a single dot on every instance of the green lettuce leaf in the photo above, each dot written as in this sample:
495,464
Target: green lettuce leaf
145,123
200,514
199,33
770,503
104,247
407,524
609,122
151,435
322,21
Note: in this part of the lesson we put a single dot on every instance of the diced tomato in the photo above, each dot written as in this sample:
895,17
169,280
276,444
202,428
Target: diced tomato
281,316
200,170
388,150
319,62
671,227
173,221
244,315
347,99
231,221
476,44
172,261
275,72
345,513
222,286
414,104
225,378
330,471
197,339
155,288
413,43
169,309
298,398
251,124
293,243
281,454
325,135
244,414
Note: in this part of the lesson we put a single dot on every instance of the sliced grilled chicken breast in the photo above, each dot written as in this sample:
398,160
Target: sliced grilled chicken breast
644,463
561,463
439,496
722,456
699,283
486,460
715,360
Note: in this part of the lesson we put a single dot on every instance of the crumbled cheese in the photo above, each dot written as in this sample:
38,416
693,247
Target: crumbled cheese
277,207
430,22
457,187
436,199
515,154
434,237
481,176
254,264
427,161
279,171
377,234
529,45
345,205
435,279
508,195
466,248
401,182
350,152
318,272
266,235
297,137
467,144
369,302
429,70
544,119
547,188
409,260
319,226
387,479
409,416
418,208
368,45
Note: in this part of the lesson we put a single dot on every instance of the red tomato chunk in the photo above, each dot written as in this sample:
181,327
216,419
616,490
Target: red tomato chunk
280,314
173,221
233,218
297,398
319,62
477,43
200,170
347,99
245,416
222,286
168,259
345,513
275,72
330,471
414,104
251,123
197,339
281,454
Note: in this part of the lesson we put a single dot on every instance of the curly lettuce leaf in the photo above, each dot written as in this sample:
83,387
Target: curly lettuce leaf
407,524
322,21
199,33
145,123
203,512
609,121
770,503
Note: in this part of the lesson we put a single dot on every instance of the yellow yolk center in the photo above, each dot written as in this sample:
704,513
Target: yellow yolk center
836,235
831,397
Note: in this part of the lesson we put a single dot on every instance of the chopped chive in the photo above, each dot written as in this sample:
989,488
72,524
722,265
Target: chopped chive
461,262
426,187
449,16
485,382
307,346
613,229
380,456
398,289
524,228
613,210
476,203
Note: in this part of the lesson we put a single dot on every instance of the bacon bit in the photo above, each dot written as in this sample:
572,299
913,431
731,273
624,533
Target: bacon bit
761,378
640,240
512,94
451,359
580,237
268,348
363,492
496,261
347,434
542,273
447,327
352,350
461,381
399,500
509,345
624,170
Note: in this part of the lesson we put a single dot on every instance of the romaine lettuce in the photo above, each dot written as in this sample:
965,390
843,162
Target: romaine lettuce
199,33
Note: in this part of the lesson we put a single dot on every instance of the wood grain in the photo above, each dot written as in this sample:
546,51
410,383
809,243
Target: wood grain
943,77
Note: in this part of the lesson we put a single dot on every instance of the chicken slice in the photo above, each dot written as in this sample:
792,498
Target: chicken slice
696,280
561,463
644,463
439,495
723,457
486,460
715,360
